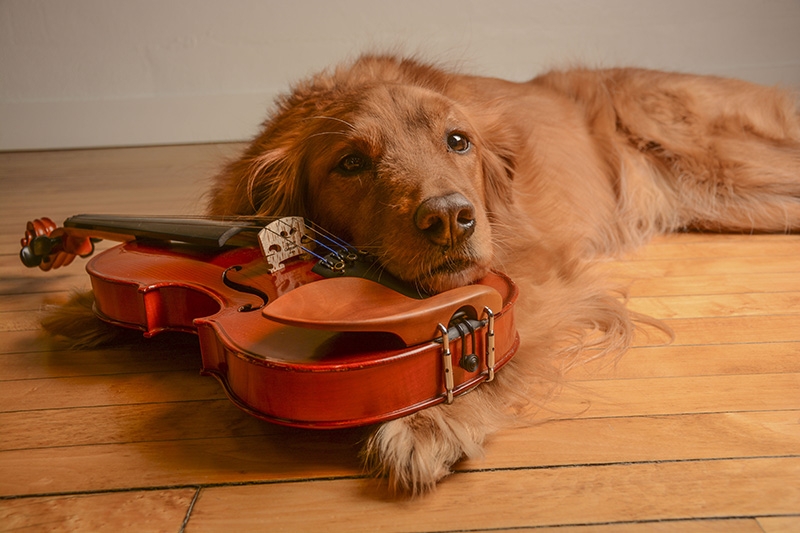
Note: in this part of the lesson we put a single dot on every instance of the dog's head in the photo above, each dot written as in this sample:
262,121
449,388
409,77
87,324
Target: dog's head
384,159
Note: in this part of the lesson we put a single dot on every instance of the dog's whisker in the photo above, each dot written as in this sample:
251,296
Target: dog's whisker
336,119
325,133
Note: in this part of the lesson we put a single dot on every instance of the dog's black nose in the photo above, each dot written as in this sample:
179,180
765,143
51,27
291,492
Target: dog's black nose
446,220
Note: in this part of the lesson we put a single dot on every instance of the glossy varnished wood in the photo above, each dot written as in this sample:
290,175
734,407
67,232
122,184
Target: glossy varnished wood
698,435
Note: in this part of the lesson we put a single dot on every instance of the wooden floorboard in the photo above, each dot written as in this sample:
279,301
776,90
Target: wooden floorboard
699,435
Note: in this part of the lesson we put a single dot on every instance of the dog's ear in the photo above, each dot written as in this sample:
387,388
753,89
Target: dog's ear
499,166
263,181
268,178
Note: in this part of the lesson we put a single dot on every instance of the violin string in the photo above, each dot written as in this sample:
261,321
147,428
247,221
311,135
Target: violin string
330,244
323,238
304,248
258,223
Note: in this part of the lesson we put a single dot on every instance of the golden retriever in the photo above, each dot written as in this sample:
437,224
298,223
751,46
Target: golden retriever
445,176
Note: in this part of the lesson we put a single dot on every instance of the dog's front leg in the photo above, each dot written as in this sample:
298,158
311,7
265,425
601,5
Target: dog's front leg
417,451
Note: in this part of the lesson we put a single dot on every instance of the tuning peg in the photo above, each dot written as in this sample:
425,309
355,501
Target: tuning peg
29,258
37,250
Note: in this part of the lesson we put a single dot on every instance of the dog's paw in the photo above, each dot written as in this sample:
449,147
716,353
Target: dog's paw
417,451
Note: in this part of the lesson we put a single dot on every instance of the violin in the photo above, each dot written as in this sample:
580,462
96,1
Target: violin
299,328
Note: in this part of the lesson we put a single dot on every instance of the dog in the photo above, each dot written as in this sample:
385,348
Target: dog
444,176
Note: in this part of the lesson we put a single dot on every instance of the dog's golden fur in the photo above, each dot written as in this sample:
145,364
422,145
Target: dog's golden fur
536,179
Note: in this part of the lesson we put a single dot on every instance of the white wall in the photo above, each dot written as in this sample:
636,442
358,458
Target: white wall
77,73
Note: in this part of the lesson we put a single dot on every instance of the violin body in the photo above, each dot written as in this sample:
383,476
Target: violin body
297,348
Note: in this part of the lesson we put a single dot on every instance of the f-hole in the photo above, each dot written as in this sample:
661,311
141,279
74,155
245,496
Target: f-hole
244,288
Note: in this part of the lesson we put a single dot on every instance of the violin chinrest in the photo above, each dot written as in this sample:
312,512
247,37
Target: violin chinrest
357,304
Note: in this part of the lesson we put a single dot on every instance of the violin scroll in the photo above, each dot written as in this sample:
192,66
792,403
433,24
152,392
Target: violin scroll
47,246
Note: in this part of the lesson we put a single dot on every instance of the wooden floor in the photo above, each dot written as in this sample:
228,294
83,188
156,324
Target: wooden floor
700,435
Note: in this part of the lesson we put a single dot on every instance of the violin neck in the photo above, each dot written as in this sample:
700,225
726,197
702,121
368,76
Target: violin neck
214,233
286,234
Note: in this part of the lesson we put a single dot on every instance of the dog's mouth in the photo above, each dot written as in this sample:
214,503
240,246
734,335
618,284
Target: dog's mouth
452,266
448,273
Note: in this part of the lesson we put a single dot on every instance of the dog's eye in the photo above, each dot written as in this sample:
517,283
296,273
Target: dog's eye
352,163
458,142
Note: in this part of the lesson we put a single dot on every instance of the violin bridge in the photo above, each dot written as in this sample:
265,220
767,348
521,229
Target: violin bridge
281,240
